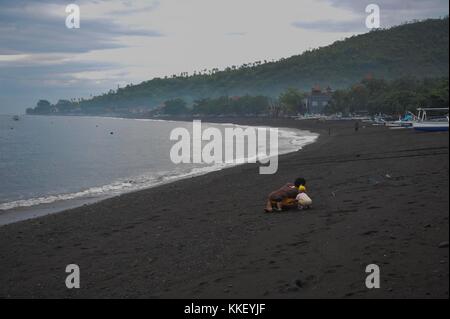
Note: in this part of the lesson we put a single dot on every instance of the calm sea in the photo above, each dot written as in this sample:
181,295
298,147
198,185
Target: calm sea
51,160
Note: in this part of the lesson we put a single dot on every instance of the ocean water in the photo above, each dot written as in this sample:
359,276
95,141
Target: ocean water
47,160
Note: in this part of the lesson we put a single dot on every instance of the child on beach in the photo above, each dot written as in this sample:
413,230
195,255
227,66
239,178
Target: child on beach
285,197
303,200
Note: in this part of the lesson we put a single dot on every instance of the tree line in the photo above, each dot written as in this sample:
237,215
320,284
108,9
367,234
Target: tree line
390,97
369,95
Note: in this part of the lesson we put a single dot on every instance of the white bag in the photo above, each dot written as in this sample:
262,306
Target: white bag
304,199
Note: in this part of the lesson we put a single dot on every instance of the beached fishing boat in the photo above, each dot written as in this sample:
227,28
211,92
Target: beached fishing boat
378,120
406,121
400,124
431,124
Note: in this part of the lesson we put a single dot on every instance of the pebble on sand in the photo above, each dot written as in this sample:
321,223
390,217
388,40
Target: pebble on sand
299,283
444,244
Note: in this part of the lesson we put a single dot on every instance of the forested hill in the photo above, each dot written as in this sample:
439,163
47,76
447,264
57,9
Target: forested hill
418,49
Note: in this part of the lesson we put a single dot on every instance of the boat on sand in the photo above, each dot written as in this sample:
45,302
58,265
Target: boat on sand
425,123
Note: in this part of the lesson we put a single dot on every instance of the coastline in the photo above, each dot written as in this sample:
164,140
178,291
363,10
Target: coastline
207,237
21,210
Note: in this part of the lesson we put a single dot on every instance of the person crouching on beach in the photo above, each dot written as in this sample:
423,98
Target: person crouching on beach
285,197
303,200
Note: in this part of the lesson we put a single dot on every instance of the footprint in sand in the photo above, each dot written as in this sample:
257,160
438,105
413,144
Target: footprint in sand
370,232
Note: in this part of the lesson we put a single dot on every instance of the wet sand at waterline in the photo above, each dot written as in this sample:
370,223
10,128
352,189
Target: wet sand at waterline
380,197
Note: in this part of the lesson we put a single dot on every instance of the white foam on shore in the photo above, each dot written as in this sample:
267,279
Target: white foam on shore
292,140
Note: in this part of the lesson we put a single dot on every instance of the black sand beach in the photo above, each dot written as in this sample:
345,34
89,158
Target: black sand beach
381,196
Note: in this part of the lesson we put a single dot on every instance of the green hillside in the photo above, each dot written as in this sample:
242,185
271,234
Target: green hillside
418,49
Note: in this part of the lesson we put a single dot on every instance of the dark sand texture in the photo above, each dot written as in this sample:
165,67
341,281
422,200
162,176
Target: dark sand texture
381,196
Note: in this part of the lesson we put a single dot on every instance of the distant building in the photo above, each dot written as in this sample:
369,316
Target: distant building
318,100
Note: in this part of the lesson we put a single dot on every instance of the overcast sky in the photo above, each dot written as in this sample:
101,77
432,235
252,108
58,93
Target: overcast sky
125,41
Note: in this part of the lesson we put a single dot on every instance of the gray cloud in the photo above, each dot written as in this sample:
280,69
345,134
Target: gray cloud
236,34
25,32
392,12
39,73
21,85
398,11
45,46
131,9
356,25
435,6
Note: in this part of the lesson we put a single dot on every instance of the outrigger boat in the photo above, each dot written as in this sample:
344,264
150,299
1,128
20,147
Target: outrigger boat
406,122
379,120
426,124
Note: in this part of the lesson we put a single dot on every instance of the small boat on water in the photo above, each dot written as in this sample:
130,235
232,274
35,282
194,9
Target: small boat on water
16,118
428,124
